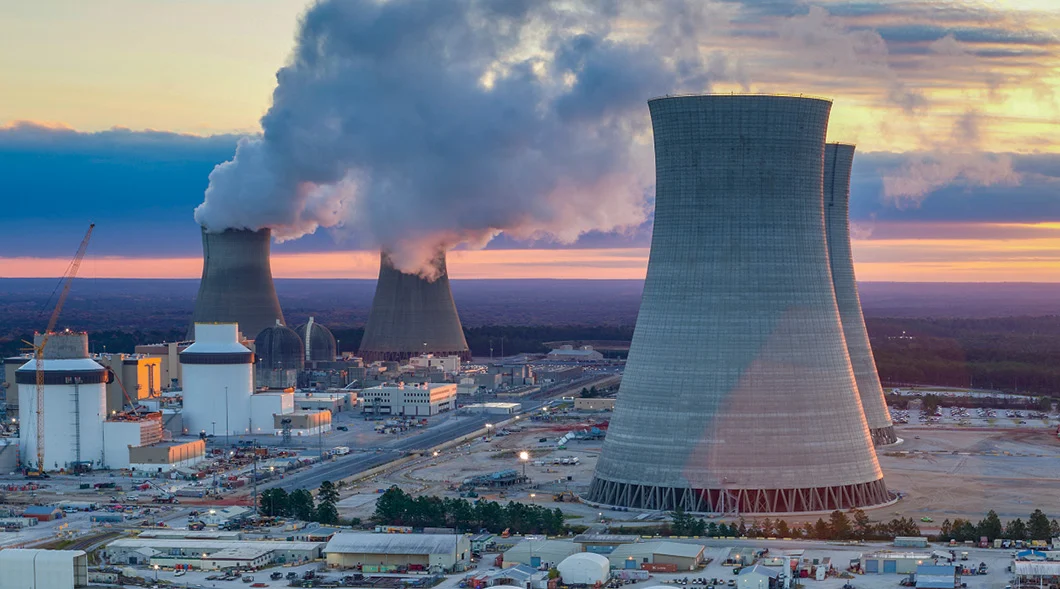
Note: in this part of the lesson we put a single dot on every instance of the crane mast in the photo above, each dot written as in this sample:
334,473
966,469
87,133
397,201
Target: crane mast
38,350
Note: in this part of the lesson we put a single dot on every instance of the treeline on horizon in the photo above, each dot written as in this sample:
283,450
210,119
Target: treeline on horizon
1009,354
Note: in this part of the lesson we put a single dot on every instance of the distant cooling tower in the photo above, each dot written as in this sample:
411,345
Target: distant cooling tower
738,395
838,160
412,316
236,284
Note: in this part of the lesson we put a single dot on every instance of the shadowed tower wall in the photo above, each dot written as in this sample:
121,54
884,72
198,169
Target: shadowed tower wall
738,395
838,161
412,315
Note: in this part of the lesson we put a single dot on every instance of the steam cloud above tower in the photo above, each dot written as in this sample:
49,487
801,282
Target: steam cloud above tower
413,124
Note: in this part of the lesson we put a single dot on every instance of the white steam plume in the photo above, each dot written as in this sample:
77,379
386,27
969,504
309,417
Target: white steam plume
407,124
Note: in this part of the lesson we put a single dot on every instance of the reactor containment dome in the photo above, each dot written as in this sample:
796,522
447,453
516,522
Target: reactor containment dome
838,161
412,315
236,285
738,395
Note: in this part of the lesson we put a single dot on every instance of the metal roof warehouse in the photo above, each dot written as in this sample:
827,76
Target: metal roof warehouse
391,551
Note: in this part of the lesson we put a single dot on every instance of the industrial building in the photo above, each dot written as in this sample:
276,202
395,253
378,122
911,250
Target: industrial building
584,568
318,343
43,569
603,543
208,553
236,285
493,408
683,557
893,562
930,576
168,354
265,406
410,400
135,441
758,577
594,404
140,375
10,396
303,423
569,353
432,552
335,401
279,358
412,315
838,161
218,381
558,373
738,326
167,456
539,552
75,404
450,364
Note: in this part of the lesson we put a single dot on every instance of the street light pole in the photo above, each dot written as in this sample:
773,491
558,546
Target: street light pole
226,416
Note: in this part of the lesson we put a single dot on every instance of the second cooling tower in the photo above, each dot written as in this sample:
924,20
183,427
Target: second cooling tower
412,315
236,284
838,161
738,394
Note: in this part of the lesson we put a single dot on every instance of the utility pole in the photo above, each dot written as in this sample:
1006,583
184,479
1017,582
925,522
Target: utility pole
227,429
256,511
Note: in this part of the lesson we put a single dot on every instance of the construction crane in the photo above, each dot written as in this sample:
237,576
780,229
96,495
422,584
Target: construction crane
38,350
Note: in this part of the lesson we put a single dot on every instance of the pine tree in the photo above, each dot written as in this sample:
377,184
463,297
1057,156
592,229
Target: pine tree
1038,526
990,526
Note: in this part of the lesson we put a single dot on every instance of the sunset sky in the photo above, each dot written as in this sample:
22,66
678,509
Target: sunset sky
116,111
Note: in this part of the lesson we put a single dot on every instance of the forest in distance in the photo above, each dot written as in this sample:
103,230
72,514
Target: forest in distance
993,336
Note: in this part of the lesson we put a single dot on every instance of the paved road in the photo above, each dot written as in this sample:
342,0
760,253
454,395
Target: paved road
453,428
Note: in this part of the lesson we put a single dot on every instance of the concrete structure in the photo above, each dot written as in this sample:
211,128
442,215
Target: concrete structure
280,357
570,353
168,552
123,431
493,408
594,404
408,399
236,285
738,343
43,569
412,315
264,406
168,354
584,568
539,552
558,373
218,381
141,376
433,552
318,343
449,364
75,404
167,456
10,396
303,423
911,542
929,576
8,455
838,160
335,401
686,557
901,563
757,577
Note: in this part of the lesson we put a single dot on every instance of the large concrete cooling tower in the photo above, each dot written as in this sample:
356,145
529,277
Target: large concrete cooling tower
236,284
838,159
412,315
738,395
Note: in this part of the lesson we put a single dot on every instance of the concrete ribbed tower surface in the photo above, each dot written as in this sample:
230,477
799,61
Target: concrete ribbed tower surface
738,394
838,161
236,285
411,316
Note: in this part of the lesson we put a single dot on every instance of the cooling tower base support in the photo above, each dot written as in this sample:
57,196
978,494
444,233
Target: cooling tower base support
883,436
370,356
763,501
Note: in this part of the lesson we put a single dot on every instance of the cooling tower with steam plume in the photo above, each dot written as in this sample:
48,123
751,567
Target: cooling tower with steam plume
838,161
412,315
738,394
236,284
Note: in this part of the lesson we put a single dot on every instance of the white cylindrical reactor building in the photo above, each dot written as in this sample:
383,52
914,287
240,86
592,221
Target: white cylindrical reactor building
218,381
75,404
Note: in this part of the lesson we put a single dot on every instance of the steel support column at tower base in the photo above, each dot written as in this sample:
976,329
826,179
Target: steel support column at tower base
654,498
738,392
838,162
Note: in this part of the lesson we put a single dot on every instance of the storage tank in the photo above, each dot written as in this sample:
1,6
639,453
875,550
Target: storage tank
236,285
838,162
738,394
279,357
218,381
75,404
412,315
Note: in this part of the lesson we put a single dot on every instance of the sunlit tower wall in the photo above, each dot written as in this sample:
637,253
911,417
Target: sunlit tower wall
411,316
236,284
218,379
838,161
738,394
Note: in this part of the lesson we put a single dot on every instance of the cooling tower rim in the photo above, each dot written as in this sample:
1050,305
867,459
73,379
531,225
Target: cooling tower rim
741,95
840,144
266,230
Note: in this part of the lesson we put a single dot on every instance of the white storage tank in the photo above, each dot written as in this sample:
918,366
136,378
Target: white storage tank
75,404
218,378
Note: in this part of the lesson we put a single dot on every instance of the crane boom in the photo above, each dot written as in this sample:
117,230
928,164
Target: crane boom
38,350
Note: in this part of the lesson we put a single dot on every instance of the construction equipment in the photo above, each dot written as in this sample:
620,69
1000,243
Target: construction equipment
566,497
38,350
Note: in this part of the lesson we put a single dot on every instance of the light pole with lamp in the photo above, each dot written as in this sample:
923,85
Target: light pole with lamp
523,457
489,426
156,573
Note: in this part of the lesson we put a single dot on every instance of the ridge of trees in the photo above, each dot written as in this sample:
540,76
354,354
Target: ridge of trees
301,504
839,526
1037,527
398,508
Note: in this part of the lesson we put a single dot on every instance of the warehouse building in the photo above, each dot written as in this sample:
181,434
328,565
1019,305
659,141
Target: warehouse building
201,552
43,513
166,456
43,569
594,404
410,400
901,563
493,408
537,553
929,576
603,543
910,542
388,552
334,400
683,557
568,353
303,423
758,577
